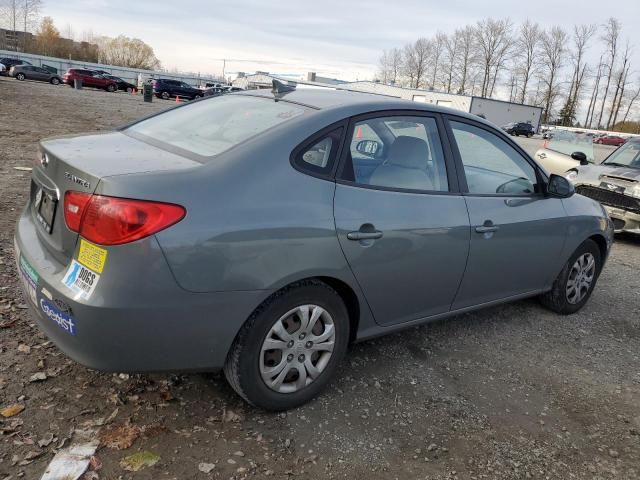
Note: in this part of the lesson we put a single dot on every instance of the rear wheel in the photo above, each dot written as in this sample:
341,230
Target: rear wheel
289,349
20,76
575,283
166,95
129,89
55,81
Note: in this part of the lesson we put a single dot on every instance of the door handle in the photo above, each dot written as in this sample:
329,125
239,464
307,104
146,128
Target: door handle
484,229
364,235
487,227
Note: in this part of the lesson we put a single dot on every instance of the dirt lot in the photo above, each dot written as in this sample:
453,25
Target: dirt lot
508,393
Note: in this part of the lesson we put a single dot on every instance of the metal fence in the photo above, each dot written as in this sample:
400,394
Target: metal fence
128,74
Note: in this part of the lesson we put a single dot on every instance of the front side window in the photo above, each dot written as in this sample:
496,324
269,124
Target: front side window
399,152
213,126
491,165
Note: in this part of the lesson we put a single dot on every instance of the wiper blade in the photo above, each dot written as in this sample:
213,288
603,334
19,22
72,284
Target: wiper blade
614,164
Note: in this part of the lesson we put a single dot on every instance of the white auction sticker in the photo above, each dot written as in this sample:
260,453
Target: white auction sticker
80,279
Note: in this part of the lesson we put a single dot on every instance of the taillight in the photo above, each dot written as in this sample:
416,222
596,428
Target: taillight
114,221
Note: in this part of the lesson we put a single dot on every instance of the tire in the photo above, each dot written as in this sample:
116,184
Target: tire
558,298
111,88
517,134
165,95
529,135
129,90
247,362
20,77
54,81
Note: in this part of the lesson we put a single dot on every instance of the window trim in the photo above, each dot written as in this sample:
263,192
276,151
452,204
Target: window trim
541,177
295,159
450,167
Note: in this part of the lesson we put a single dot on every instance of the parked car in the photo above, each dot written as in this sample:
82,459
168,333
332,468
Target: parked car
166,88
614,140
615,183
30,72
122,84
564,151
10,62
89,78
519,128
231,234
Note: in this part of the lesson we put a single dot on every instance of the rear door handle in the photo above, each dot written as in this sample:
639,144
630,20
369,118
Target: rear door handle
364,235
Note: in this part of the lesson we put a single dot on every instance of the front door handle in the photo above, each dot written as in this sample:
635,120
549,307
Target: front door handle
487,227
364,235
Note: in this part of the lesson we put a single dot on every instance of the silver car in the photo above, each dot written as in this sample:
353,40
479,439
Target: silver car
263,232
615,183
31,72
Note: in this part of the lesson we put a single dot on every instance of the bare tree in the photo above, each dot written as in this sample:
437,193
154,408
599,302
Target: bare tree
451,50
528,44
594,94
416,56
492,40
390,65
581,36
553,56
438,46
466,56
610,37
622,75
634,97
128,52
10,14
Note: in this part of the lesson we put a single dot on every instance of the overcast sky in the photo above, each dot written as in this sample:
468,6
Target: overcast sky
336,38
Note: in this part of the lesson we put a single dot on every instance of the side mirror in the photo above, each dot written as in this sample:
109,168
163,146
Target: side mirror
581,157
560,187
368,147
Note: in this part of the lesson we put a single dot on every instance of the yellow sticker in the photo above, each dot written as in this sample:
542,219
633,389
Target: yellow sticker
92,256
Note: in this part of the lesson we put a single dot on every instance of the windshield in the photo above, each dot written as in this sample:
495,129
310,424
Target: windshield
210,127
628,155
567,142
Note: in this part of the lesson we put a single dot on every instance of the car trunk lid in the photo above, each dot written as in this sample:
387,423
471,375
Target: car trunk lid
78,164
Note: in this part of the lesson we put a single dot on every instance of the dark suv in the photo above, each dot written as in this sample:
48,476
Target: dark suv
519,128
165,88
10,62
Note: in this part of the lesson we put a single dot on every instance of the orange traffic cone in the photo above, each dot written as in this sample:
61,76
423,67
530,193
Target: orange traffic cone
359,132
177,98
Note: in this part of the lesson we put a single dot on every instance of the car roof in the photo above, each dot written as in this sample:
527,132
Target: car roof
328,99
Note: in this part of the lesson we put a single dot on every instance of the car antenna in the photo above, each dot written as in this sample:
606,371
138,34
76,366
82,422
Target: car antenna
281,88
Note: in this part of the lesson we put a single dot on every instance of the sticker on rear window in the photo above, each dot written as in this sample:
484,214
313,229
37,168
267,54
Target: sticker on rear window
29,279
62,319
92,256
81,280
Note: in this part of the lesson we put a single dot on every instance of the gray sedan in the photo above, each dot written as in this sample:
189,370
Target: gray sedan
263,232
31,72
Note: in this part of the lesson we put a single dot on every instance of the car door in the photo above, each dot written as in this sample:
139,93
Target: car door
403,226
517,233
40,73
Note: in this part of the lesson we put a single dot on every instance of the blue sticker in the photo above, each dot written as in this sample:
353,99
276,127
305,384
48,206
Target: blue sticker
29,279
62,319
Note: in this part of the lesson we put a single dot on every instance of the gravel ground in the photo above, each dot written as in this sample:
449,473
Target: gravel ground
511,392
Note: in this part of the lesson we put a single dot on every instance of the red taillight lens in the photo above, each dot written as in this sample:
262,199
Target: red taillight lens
114,221
74,207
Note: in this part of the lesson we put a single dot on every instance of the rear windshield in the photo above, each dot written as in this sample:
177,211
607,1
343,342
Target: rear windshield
212,126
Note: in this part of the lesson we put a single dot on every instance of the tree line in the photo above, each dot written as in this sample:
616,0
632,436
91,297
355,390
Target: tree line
529,64
24,16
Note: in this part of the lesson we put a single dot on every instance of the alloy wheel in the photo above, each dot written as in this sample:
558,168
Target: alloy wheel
297,348
580,278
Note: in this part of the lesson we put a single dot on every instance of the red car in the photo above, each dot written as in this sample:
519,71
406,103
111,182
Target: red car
610,140
90,79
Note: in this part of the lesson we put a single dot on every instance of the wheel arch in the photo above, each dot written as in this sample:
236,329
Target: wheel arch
602,246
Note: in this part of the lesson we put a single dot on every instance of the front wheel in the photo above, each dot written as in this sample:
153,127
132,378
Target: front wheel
289,349
20,76
55,81
575,283
111,88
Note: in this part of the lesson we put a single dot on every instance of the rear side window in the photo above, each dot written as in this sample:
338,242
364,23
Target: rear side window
213,126
318,156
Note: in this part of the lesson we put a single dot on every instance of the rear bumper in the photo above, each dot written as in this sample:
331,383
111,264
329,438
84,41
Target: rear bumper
138,319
